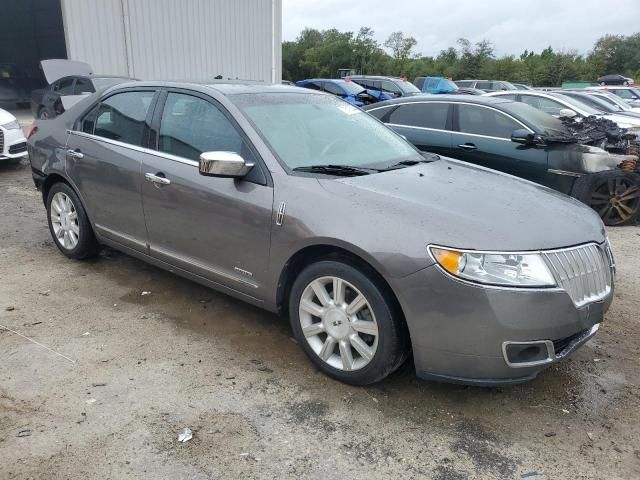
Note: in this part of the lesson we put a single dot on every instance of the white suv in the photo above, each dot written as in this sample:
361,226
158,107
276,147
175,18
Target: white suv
13,145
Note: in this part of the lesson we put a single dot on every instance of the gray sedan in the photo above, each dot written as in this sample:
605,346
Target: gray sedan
302,204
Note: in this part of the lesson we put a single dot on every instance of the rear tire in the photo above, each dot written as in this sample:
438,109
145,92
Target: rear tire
356,336
614,194
68,223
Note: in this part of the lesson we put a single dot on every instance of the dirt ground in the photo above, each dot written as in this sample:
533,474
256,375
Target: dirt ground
139,368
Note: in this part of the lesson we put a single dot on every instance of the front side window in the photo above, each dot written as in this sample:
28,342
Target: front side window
121,117
464,83
485,121
305,130
482,85
546,105
191,125
390,87
425,115
313,85
333,89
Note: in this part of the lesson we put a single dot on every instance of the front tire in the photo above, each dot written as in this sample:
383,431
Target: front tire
614,194
346,324
69,224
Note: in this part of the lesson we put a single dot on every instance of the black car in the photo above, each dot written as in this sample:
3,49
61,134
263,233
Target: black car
47,102
614,79
390,86
520,140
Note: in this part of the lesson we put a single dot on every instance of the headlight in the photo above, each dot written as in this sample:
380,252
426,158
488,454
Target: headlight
499,269
11,125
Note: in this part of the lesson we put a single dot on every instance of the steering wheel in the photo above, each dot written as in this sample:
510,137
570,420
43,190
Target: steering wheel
328,147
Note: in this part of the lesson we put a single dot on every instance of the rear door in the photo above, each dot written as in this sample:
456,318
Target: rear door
105,152
216,228
425,124
482,135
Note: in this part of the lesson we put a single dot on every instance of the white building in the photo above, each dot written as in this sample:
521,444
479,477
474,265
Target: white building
148,39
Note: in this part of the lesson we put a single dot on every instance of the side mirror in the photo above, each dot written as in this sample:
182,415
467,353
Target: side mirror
568,113
223,164
523,136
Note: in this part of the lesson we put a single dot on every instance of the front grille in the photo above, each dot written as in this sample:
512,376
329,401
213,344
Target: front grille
18,148
1,141
584,272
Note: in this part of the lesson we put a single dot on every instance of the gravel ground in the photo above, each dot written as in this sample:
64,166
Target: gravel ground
132,370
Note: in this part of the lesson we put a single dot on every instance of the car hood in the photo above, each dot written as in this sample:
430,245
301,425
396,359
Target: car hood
57,68
453,203
6,117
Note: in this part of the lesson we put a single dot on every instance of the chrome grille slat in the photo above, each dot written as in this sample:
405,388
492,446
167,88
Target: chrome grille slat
1,142
584,272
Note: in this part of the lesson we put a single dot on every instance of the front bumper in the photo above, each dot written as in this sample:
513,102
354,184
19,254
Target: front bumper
459,331
13,144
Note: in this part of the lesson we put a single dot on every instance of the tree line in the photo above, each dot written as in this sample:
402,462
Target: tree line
318,53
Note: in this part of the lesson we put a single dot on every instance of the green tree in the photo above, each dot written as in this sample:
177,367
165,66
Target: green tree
401,50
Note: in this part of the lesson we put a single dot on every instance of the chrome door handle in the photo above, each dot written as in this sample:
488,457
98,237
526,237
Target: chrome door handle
153,178
468,147
75,154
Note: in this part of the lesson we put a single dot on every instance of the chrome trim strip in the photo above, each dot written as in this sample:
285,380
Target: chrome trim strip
280,214
192,261
135,148
564,172
121,236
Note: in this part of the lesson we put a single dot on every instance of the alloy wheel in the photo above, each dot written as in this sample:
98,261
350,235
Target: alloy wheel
338,323
617,200
64,220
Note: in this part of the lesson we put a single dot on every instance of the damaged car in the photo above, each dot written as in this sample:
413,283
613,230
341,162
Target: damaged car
69,81
518,139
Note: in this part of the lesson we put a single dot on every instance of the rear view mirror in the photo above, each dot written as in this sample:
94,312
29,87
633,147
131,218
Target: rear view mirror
568,113
523,136
223,164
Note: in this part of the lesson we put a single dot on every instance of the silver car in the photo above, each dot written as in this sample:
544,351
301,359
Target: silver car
302,204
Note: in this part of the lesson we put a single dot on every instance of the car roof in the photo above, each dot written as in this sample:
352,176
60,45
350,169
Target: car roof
475,99
332,80
224,87
376,77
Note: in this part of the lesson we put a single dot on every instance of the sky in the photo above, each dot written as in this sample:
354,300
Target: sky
511,25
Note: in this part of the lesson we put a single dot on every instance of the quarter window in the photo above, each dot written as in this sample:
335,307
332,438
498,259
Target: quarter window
121,117
485,121
192,125
425,115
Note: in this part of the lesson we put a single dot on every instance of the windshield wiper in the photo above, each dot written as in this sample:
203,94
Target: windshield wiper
428,158
338,170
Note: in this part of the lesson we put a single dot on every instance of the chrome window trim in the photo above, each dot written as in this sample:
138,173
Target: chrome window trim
565,172
453,131
135,148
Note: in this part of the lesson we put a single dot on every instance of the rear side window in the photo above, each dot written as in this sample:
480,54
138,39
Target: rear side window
121,117
192,125
463,83
425,115
626,94
485,121
333,88
483,85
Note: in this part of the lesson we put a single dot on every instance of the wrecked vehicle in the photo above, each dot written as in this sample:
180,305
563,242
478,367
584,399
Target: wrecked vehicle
299,203
516,138
69,81
350,92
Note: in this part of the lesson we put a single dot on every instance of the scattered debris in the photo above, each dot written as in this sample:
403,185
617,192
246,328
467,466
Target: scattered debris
185,435
265,369
230,377
590,435
550,434
24,433
86,334
564,410
531,474
144,293
45,293
596,359
98,384
10,309
91,401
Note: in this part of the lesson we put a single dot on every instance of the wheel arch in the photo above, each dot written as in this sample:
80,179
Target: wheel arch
53,178
324,251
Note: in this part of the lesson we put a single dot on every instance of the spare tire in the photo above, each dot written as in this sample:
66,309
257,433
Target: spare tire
614,194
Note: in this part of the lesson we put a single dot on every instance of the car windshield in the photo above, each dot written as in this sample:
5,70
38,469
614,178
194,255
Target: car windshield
352,88
616,101
408,87
303,130
535,119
